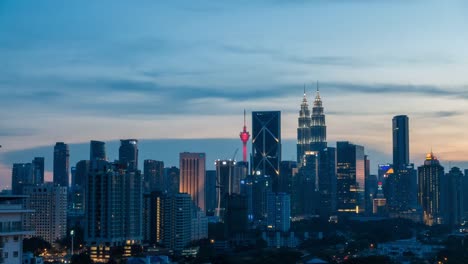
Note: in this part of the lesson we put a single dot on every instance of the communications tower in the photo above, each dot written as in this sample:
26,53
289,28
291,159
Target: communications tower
244,136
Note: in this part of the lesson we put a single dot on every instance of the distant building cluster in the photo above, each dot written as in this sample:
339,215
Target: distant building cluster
120,205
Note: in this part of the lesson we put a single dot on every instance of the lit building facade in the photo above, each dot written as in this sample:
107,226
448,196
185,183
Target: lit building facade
318,129
303,130
49,219
279,212
192,177
350,174
429,190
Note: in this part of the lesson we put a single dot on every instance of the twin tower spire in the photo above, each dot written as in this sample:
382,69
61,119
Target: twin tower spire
311,130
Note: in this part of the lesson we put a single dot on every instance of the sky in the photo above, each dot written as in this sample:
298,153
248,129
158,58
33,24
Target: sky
74,71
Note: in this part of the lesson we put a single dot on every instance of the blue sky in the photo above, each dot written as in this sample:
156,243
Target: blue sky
79,70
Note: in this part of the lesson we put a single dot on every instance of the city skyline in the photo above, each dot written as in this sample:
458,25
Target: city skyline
69,80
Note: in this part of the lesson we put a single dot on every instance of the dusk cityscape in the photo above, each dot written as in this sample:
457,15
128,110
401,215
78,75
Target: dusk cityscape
261,131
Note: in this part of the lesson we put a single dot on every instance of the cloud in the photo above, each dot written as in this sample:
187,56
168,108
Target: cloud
17,132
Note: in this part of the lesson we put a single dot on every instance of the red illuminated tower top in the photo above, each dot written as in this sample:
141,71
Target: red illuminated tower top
244,136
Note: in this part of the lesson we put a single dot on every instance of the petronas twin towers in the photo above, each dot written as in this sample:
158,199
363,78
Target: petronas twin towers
311,131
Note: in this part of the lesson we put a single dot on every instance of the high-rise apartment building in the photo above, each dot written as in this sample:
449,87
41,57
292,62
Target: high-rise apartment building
279,212
192,177
153,217
113,208
178,209
49,219
61,164
429,190
266,144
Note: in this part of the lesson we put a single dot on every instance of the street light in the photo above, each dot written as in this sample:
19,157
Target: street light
72,233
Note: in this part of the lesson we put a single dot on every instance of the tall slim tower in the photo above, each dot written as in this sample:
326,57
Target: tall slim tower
244,136
192,177
303,130
61,164
400,142
266,144
318,129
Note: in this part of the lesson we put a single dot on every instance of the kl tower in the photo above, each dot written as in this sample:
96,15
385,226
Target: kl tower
244,136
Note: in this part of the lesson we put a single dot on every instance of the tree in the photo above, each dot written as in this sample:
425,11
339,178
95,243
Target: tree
36,245
82,258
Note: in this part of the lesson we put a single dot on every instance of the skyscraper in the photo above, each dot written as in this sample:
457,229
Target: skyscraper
38,170
327,181
172,179
453,196
128,153
236,218
429,191
21,175
153,217
305,194
192,177
465,194
49,203
153,174
287,169
350,174
81,172
400,141
318,129
177,221
211,192
266,144
113,208
97,150
61,164
303,130
226,181
279,212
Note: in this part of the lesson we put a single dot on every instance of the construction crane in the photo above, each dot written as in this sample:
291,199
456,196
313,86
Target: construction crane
233,156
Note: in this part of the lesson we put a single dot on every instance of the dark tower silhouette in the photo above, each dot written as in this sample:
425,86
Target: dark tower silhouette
128,153
303,130
61,164
97,150
244,136
318,129
400,142
38,170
